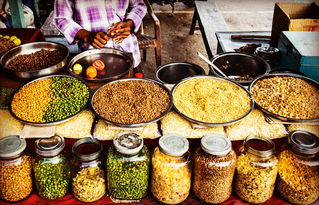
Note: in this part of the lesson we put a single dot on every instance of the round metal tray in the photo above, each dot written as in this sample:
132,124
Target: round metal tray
209,123
283,75
43,124
136,124
117,64
29,48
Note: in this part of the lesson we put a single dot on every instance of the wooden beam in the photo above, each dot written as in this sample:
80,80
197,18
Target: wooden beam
17,15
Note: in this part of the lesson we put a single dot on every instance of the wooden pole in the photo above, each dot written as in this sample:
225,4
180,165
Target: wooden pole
17,15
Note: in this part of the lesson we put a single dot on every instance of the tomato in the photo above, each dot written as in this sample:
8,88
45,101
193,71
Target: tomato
98,64
91,72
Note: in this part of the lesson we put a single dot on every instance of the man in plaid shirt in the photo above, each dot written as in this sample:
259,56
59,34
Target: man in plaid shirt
101,23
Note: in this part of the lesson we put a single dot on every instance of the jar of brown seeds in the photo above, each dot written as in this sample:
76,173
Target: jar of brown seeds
256,170
298,168
214,167
15,169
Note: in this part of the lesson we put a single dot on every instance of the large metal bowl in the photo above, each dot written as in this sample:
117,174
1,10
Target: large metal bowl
313,82
117,64
29,48
47,123
239,64
137,124
209,123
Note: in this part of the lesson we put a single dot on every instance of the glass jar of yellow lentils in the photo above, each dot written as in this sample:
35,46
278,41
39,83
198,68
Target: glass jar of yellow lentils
214,168
15,169
171,169
88,180
256,170
298,168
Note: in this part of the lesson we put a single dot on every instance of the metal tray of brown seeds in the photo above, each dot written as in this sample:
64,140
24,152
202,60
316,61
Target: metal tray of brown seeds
123,96
73,100
292,93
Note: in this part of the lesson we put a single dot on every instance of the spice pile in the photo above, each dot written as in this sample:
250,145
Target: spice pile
52,180
5,44
171,177
213,176
287,96
298,182
255,180
131,102
36,61
50,99
127,177
211,100
89,184
16,179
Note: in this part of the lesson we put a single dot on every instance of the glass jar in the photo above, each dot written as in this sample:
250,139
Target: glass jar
15,169
256,170
214,168
298,168
88,180
51,168
128,167
171,169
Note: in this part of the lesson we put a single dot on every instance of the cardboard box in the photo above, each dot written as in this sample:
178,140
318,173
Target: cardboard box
294,17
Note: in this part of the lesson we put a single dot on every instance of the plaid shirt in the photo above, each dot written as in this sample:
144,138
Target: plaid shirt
98,15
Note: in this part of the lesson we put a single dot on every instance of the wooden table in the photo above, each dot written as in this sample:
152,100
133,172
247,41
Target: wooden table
210,20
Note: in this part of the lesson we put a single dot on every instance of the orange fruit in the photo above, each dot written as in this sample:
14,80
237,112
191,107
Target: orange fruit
91,72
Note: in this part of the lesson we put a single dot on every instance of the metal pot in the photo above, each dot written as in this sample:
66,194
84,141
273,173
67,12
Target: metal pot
239,64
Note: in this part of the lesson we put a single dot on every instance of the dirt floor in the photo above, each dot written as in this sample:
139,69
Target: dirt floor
179,46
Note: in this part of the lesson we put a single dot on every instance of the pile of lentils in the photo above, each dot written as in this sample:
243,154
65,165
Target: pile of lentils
50,99
131,102
36,61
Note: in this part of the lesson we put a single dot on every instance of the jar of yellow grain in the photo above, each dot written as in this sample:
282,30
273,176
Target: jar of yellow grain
214,168
256,170
298,168
171,169
15,169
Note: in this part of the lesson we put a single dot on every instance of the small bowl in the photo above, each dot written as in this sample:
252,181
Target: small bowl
239,64
172,73
29,48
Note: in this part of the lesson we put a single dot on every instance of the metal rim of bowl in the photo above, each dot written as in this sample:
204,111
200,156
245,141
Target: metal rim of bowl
135,124
285,70
209,123
95,51
282,75
44,124
63,61
161,67
242,54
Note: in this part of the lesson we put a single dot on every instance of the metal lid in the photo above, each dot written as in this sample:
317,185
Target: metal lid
262,147
173,145
49,147
12,146
128,143
216,144
303,142
87,149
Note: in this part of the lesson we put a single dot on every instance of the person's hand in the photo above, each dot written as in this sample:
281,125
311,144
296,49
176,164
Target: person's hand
121,30
96,39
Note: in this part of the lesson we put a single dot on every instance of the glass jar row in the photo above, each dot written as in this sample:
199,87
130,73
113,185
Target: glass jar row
128,167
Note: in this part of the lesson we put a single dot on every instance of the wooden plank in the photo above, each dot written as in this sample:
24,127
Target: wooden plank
210,20
17,15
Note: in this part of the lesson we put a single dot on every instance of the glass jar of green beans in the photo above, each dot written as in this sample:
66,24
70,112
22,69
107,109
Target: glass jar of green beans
88,181
51,168
128,167
15,169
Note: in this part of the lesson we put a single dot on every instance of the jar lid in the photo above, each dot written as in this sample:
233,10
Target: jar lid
128,143
216,144
260,146
87,149
49,147
304,142
11,146
173,145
